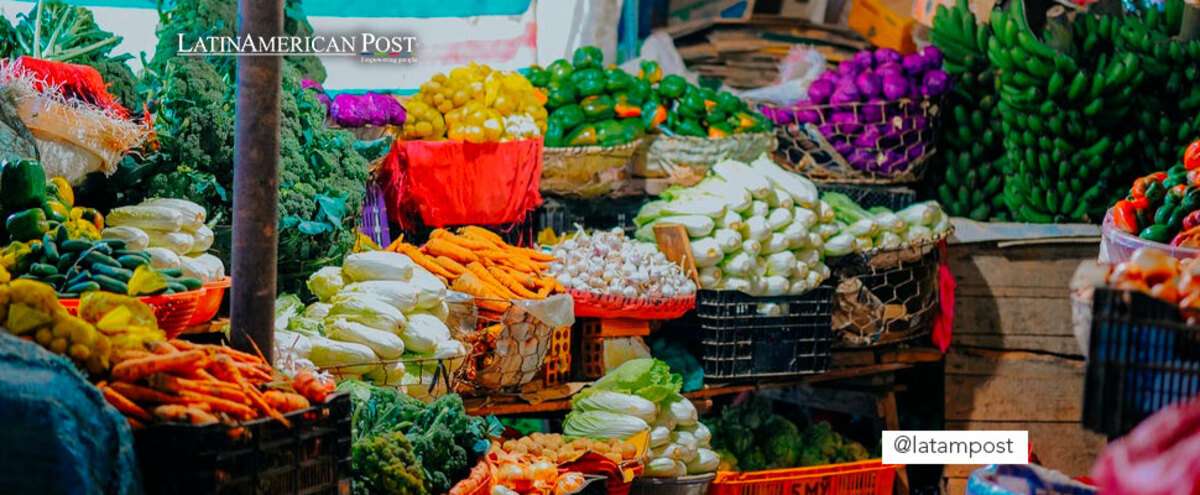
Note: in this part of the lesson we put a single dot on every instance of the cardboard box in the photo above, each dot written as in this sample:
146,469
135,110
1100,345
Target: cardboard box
923,10
885,23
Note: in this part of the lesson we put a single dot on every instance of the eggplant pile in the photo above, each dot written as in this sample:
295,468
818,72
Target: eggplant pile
967,172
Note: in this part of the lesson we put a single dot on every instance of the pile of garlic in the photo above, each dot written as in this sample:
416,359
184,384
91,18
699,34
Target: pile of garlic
608,263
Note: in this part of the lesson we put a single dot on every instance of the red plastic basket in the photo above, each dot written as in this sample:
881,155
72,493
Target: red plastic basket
853,478
592,305
210,301
174,311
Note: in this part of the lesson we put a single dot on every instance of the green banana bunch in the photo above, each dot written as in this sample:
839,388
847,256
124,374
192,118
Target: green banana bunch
967,180
1063,111
1168,105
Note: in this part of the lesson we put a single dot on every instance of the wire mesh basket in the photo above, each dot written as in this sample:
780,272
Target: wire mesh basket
888,296
878,142
684,160
510,350
588,171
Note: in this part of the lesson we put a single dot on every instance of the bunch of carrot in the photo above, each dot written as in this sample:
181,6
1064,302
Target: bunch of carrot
476,261
180,381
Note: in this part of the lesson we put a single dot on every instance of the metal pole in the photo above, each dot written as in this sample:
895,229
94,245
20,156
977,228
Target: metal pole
1191,22
256,183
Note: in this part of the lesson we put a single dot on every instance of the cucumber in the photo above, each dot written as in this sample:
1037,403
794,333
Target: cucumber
35,251
79,278
43,270
117,273
131,261
191,283
171,272
65,263
85,286
111,284
95,257
102,248
177,287
113,243
49,249
60,236
55,280
68,295
74,246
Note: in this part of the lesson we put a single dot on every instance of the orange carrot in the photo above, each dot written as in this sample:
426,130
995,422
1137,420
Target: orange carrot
285,401
220,405
497,307
468,283
132,369
135,424
472,243
543,292
484,233
453,267
427,263
162,348
439,233
224,369
144,394
512,284
183,414
442,247
486,277
223,390
536,255
124,405
312,387
183,345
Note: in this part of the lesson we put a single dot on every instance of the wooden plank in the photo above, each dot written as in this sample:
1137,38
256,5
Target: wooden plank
1063,446
1012,386
1048,266
674,243
1058,344
1012,315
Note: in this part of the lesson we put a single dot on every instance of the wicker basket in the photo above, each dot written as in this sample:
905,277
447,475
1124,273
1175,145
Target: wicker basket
521,344
588,171
900,136
684,160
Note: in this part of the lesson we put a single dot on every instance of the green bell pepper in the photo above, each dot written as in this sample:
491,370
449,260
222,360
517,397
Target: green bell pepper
1157,233
616,80
560,70
610,133
538,76
653,114
26,225
716,115
597,108
554,134
568,116
588,82
586,57
690,127
559,92
649,72
584,135
729,103
641,91
692,105
672,86
23,183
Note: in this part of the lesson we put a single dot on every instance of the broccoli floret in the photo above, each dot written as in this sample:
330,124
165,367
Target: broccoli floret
385,464
753,460
447,441
783,449
811,456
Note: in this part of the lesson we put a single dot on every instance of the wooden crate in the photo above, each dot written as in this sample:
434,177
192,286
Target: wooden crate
1015,363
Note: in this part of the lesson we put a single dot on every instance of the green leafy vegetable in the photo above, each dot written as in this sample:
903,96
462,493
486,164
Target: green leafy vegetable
386,464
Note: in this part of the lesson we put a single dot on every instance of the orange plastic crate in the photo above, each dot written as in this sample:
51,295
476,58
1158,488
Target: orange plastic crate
852,478
210,301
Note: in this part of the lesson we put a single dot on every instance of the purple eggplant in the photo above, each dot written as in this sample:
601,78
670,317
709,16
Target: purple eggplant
914,64
869,85
933,57
935,83
895,87
820,91
886,55
864,60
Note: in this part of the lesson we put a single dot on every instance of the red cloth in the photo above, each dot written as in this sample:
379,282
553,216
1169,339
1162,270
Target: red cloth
1159,457
444,183
943,323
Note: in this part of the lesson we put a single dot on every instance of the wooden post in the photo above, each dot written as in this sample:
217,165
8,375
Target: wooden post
256,182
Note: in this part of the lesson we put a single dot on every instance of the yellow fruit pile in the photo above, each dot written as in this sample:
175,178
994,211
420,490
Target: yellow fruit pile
107,323
476,104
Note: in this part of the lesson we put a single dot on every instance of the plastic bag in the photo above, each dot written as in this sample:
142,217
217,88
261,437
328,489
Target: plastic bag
1160,456
400,295
367,310
615,402
294,343
135,238
618,350
602,424
377,265
326,283
424,333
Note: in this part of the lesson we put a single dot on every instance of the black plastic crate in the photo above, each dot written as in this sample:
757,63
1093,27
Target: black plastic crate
311,457
1142,357
868,196
562,214
747,337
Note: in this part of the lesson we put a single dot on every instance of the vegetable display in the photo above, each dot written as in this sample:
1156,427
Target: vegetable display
402,445
475,104
967,173
689,110
558,449
750,437
478,262
608,263
1162,276
375,315
592,105
1161,206
861,230
641,395
874,110
753,227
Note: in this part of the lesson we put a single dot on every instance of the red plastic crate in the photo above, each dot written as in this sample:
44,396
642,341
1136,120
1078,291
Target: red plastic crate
853,478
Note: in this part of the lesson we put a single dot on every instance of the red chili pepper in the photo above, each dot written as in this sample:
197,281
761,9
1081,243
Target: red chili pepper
1191,156
1125,217
1139,188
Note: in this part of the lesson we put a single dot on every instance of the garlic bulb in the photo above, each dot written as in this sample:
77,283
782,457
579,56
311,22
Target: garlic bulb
607,262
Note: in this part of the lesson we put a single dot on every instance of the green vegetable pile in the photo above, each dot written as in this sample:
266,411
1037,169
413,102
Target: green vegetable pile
704,112
968,170
403,446
749,437
322,177
590,105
